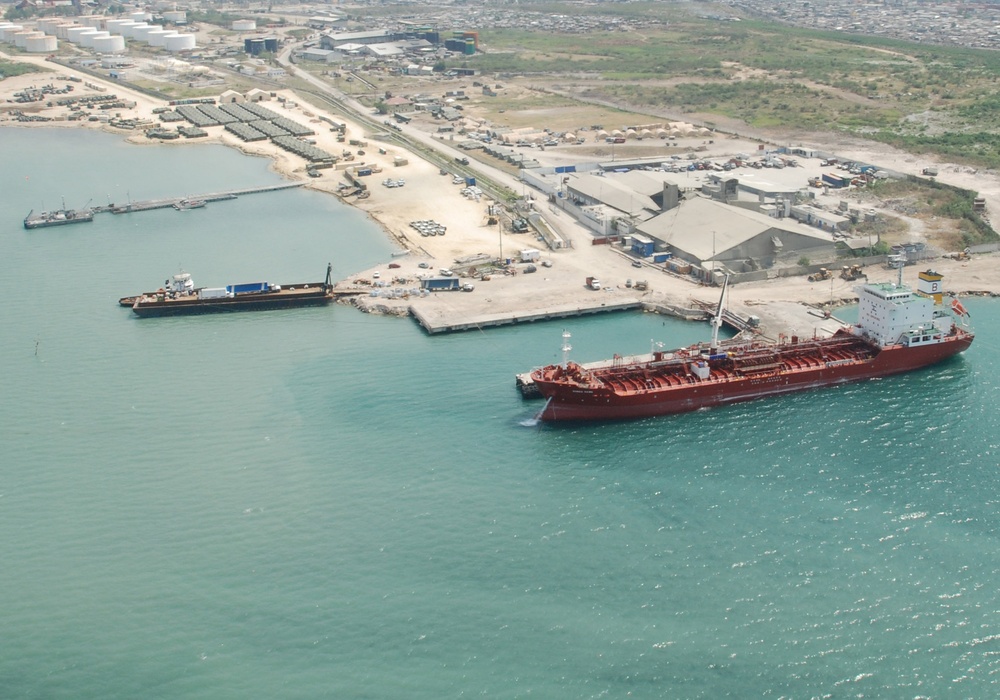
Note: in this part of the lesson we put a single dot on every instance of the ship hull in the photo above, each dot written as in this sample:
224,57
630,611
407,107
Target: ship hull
46,223
317,295
569,402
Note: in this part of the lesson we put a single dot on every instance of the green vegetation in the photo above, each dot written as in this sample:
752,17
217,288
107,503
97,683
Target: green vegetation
222,19
8,69
935,199
930,99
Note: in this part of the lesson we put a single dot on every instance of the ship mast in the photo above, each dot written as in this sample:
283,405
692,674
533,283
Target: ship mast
898,261
717,319
566,347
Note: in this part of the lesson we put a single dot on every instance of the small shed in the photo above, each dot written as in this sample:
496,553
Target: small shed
231,97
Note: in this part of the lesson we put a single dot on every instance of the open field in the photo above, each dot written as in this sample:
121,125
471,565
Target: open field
762,79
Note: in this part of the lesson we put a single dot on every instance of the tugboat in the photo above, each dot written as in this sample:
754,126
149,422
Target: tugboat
179,296
898,330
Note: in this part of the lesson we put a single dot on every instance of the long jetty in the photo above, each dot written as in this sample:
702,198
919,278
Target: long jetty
150,204
435,320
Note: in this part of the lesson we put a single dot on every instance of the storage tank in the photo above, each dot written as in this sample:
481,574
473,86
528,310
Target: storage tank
7,33
244,25
73,33
140,16
157,36
175,16
115,25
21,38
61,29
109,44
180,42
47,24
142,33
81,37
132,32
95,21
41,44
87,39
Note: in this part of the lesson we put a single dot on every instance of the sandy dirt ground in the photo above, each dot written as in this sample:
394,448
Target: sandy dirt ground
428,195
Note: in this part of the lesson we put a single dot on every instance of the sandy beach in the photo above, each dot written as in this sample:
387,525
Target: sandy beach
429,195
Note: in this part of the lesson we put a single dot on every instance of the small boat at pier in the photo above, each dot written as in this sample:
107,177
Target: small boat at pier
185,204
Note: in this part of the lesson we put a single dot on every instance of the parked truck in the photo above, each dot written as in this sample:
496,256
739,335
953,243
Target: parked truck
593,283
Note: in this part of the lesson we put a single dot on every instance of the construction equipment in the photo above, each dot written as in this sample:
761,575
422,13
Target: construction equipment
823,274
851,273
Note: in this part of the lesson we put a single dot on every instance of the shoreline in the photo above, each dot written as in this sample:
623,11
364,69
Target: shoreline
429,196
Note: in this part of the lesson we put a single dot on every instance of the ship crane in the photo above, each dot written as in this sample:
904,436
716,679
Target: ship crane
717,319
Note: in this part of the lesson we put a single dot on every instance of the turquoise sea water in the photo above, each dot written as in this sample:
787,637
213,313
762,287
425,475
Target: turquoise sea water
324,504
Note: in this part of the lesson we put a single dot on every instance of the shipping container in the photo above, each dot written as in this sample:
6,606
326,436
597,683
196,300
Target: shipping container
213,293
248,288
641,246
834,180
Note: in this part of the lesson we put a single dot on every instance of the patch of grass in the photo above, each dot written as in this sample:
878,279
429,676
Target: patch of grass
9,69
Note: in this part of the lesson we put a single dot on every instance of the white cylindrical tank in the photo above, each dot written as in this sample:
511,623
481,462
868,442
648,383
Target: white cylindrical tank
73,33
87,39
142,33
180,42
95,21
132,32
175,16
61,29
41,44
7,33
140,16
115,25
109,44
155,37
244,25
21,38
47,23
81,37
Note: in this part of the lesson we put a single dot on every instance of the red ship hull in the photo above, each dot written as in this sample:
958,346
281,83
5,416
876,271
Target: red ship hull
654,389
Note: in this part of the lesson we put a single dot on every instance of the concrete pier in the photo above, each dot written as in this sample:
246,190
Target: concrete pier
150,204
437,320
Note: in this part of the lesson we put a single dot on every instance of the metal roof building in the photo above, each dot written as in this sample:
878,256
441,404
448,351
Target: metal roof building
702,229
587,190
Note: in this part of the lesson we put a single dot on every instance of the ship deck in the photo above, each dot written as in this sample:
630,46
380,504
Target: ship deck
732,363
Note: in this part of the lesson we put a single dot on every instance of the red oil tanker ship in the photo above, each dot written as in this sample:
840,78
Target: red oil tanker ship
898,330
